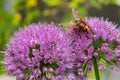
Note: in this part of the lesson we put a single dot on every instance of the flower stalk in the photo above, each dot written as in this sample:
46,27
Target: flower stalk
95,65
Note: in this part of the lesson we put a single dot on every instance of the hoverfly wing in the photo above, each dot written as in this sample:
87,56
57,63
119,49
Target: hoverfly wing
76,14
64,25
67,25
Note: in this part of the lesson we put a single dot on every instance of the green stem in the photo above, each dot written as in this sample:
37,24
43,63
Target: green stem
96,69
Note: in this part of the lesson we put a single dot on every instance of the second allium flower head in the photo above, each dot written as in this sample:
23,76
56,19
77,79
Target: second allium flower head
44,51
101,44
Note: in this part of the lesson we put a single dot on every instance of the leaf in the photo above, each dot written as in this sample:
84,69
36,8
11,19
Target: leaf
83,11
46,12
31,15
75,3
95,4
52,2
109,2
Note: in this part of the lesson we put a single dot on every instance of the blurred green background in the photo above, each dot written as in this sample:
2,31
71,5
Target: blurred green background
20,13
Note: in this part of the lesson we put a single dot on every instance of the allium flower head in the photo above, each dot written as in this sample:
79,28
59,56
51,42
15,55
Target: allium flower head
39,51
102,43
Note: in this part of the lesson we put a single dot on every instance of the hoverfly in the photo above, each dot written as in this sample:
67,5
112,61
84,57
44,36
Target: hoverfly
78,23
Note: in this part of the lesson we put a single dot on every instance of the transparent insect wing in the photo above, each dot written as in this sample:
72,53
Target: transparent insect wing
67,25
76,14
63,24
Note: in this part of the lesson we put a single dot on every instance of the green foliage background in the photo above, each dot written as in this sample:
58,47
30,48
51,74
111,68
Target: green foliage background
20,13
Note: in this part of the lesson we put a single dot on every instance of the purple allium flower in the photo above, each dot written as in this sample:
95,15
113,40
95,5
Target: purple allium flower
69,76
37,52
101,43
